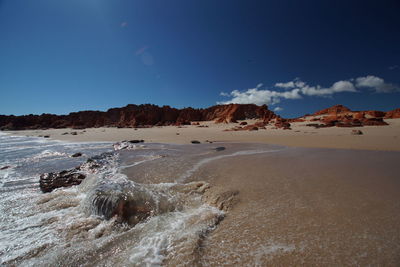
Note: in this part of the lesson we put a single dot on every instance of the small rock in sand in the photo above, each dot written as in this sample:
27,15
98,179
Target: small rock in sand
64,133
195,142
356,132
46,136
74,133
136,141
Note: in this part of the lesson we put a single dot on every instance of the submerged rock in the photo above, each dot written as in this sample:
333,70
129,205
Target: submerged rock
76,155
5,167
132,203
220,148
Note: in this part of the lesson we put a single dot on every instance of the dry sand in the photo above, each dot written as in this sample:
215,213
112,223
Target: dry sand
374,137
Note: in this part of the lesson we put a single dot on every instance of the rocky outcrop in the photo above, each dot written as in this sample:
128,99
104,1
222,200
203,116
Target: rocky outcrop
342,116
137,116
67,178
333,110
50,181
393,114
282,123
235,112
140,116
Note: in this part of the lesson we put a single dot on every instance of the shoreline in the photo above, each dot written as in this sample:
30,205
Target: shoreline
379,138
285,206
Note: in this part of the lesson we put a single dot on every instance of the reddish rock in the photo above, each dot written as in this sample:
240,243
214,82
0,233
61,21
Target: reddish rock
375,113
250,128
358,115
260,124
282,123
393,114
138,116
333,110
234,112
297,120
374,122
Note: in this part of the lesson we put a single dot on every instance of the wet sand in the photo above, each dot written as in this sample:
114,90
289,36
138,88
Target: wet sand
374,137
299,206
308,207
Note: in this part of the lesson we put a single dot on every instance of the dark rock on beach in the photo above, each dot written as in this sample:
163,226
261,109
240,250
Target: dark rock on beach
50,181
66,178
136,141
356,132
195,142
76,155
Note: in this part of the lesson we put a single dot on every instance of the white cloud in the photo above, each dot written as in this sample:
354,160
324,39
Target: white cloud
298,89
292,84
277,109
337,87
260,97
285,85
377,84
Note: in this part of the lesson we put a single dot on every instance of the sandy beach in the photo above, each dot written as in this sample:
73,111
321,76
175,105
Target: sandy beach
295,206
385,138
293,203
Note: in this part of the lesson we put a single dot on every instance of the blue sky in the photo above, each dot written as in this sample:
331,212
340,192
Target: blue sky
296,56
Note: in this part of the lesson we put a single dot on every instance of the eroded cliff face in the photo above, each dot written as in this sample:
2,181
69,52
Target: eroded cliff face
137,116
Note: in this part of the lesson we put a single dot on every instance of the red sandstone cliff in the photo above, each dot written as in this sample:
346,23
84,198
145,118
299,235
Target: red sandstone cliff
333,110
393,114
137,116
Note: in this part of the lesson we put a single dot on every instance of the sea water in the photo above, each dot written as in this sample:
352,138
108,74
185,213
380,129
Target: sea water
61,228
